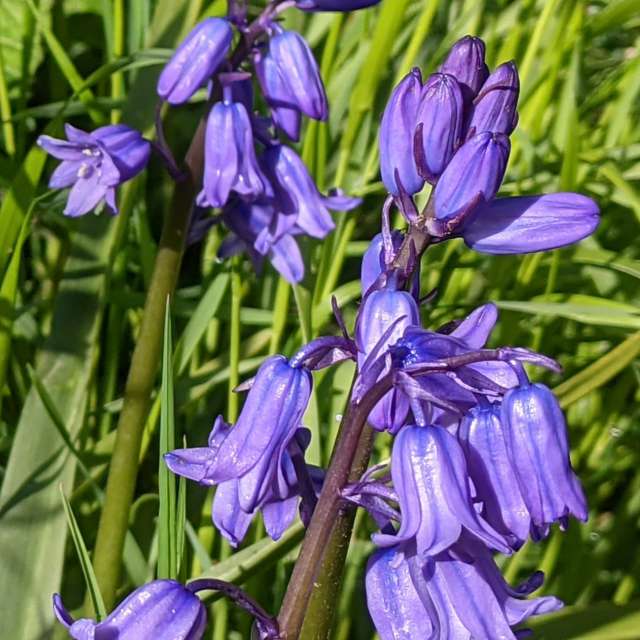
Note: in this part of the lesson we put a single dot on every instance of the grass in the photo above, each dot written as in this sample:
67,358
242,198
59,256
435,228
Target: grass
72,290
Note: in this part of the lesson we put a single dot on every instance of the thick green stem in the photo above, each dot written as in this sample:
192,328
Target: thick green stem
123,469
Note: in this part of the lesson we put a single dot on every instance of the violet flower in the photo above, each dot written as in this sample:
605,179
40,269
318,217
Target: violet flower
195,60
536,437
397,131
159,610
465,62
230,162
382,320
94,164
494,109
439,125
375,260
302,86
430,476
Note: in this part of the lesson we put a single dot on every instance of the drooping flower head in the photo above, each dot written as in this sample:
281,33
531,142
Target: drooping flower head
95,164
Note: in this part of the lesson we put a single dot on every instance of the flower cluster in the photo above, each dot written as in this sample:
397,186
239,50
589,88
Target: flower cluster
260,184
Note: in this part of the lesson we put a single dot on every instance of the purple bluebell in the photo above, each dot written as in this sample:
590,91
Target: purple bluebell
195,60
536,437
473,176
302,85
94,164
297,198
230,162
374,260
159,610
465,62
483,439
382,319
458,594
252,224
397,132
430,476
284,111
439,120
494,108
531,223
334,5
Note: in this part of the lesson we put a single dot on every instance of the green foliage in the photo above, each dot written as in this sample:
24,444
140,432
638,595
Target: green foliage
72,292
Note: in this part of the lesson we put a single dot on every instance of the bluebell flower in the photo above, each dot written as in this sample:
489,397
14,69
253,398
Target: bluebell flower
397,131
94,164
230,162
465,62
301,85
536,437
195,60
430,476
439,120
159,610
374,260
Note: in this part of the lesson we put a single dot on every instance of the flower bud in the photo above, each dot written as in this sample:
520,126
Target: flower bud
334,5
494,109
536,436
302,85
195,60
466,64
397,132
374,260
160,610
440,118
230,162
473,176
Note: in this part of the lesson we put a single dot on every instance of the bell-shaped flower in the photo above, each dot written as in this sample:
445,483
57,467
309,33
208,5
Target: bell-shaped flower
439,125
375,260
94,164
397,131
483,439
430,476
195,60
494,109
159,610
297,196
334,5
382,319
394,604
284,110
267,423
465,62
536,437
531,223
297,68
230,162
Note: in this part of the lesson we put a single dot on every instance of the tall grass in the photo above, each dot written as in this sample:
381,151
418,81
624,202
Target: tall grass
71,292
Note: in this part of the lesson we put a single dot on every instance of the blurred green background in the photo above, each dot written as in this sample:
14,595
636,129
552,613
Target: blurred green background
71,291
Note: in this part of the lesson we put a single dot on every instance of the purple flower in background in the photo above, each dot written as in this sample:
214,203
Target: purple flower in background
382,319
473,176
159,610
195,60
334,5
429,474
301,86
536,437
439,119
483,439
494,109
230,162
95,164
531,223
465,62
297,198
397,132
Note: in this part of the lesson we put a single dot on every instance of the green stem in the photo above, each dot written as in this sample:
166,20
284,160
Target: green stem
123,469
117,79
